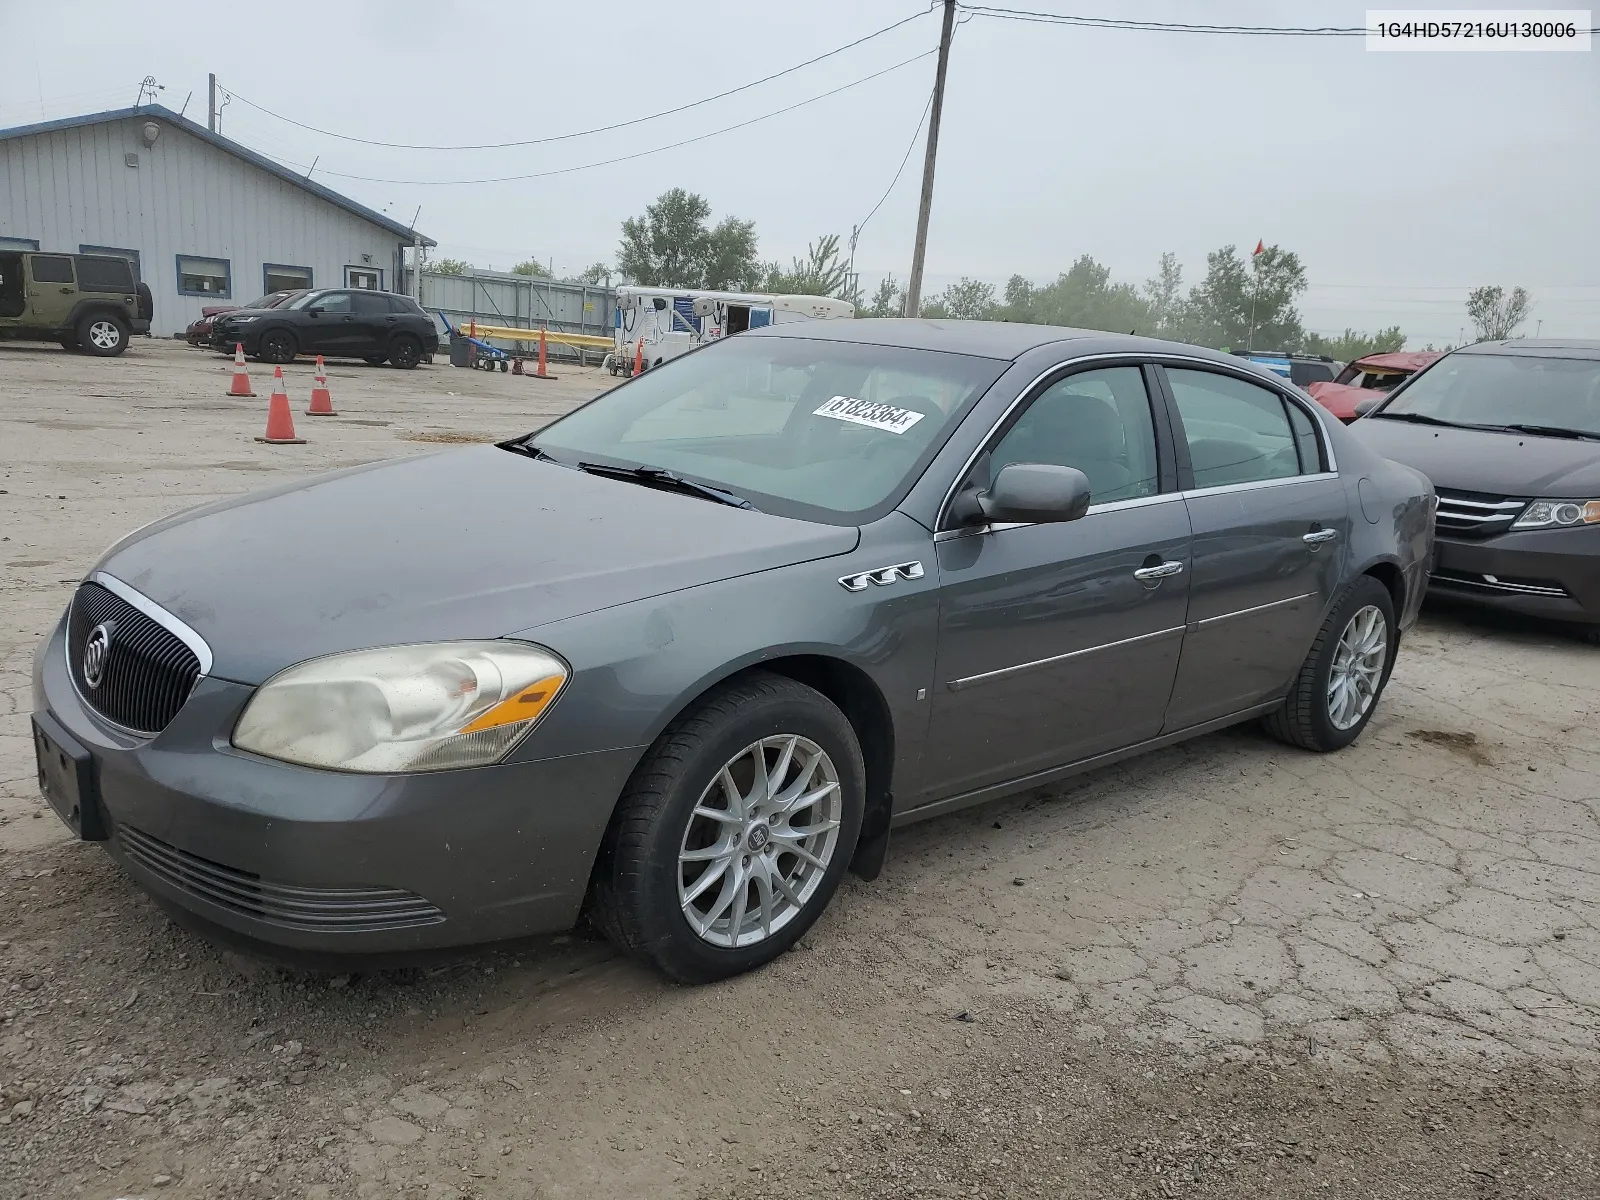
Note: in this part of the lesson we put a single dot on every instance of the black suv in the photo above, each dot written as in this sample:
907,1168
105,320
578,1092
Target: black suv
347,323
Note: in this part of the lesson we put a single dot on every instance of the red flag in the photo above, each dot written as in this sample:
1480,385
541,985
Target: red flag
1260,246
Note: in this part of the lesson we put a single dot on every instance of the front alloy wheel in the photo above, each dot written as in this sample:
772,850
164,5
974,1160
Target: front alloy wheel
733,832
759,841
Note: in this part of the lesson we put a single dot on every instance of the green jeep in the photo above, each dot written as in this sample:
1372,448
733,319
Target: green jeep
89,302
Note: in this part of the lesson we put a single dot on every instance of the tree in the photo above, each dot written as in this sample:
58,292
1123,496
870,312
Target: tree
532,267
1084,297
449,266
823,272
888,301
1164,294
1245,307
966,300
595,273
1495,314
1353,343
671,245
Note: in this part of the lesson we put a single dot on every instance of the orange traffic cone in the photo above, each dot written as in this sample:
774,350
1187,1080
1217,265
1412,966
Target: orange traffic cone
241,378
321,401
638,357
542,373
280,422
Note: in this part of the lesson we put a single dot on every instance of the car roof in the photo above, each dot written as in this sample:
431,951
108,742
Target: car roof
1399,360
1539,347
981,339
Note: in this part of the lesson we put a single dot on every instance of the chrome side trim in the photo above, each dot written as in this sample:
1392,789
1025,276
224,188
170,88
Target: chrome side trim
956,685
1245,612
1257,484
157,614
1141,358
1109,506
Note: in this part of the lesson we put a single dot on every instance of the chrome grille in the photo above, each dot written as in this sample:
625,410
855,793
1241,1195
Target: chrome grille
147,671
1476,514
326,910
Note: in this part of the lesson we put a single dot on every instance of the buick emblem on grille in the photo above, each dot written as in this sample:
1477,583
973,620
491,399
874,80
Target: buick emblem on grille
95,651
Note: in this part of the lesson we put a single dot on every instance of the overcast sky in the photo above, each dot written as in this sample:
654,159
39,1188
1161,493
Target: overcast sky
1400,179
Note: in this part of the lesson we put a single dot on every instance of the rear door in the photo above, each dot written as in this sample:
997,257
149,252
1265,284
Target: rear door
52,290
1271,534
1060,641
375,319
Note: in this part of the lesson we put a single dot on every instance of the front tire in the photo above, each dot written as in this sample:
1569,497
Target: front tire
1338,686
733,832
102,335
374,360
277,347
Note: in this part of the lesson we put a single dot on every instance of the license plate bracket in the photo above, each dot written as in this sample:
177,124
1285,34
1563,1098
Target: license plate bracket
67,778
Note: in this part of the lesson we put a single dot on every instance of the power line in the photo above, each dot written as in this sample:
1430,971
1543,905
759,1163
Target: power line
1050,18
916,133
562,137
606,162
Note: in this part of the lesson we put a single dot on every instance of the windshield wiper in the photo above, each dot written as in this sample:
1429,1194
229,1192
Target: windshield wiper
1424,419
660,477
1560,431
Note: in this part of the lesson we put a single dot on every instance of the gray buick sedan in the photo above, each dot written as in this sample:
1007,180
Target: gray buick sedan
680,659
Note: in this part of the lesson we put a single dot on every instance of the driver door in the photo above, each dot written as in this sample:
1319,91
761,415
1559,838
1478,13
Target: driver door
331,331
1060,641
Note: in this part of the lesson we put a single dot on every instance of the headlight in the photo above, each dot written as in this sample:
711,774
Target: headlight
403,708
240,320
1555,514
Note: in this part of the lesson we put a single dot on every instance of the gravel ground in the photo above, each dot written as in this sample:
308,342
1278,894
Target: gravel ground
1226,969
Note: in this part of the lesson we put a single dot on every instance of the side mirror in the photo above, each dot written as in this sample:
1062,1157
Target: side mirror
1032,492
1363,407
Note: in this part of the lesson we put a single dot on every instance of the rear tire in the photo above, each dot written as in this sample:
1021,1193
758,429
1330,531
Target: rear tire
1337,688
69,343
405,351
102,334
677,828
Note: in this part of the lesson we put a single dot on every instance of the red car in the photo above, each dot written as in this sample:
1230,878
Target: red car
199,331
1376,373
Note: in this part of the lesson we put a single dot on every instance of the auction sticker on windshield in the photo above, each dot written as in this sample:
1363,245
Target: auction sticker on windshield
873,416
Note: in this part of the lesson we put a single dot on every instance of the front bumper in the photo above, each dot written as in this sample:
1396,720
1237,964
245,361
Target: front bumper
327,862
1551,573
224,340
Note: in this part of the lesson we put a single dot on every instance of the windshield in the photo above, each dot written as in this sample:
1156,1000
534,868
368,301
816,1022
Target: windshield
271,300
821,430
1505,389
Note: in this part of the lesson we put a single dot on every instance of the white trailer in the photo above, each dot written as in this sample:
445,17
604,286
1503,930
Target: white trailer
654,324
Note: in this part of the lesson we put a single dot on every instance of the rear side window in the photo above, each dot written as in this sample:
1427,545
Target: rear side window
105,274
1305,439
370,302
52,268
1238,432
405,305
1302,373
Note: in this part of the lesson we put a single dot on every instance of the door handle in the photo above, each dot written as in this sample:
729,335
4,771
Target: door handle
1317,536
1159,572
66,291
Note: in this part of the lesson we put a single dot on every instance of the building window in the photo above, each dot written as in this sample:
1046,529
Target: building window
204,277
278,277
370,278
18,243
122,251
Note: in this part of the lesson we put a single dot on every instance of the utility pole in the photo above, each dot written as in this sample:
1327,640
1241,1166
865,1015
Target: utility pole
211,108
920,250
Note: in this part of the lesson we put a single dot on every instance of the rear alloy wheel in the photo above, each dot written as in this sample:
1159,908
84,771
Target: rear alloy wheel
405,352
734,831
1337,689
277,347
102,334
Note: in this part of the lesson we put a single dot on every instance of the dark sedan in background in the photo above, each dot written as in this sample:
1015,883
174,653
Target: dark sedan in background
337,323
684,656
1509,432
199,331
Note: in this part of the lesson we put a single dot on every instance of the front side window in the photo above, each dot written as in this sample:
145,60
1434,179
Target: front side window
51,268
203,276
1497,390
821,430
1238,432
328,302
279,278
1097,421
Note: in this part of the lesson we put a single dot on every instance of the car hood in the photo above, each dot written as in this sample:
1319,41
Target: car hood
476,543
1475,460
1340,398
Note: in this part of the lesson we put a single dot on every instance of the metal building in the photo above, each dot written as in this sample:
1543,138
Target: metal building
206,220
